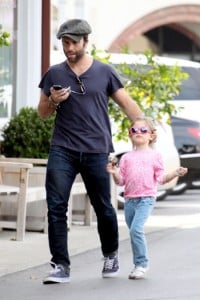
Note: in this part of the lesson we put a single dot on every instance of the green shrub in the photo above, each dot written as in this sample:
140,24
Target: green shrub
27,135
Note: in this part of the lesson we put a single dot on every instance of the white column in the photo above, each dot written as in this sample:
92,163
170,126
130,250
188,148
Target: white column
28,53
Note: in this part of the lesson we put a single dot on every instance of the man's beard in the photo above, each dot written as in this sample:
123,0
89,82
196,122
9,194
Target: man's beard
76,58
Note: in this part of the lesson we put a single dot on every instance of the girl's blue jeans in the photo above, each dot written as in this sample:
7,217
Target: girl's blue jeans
137,211
62,168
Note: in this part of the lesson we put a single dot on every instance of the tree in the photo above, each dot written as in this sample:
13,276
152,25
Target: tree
4,37
152,85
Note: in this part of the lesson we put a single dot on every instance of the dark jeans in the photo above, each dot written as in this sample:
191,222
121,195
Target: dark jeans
63,166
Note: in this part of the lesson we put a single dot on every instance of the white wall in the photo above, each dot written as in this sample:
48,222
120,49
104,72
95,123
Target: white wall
111,17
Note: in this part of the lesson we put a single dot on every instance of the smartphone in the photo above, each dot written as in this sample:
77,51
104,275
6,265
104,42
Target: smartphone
57,87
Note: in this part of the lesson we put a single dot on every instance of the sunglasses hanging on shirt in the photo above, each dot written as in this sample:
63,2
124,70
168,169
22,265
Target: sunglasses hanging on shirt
80,86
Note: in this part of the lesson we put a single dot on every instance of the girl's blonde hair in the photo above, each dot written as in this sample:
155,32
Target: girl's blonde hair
151,124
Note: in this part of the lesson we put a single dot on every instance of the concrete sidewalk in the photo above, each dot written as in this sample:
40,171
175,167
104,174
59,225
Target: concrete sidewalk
33,251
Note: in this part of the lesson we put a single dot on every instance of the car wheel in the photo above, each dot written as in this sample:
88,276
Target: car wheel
120,201
180,188
194,185
161,195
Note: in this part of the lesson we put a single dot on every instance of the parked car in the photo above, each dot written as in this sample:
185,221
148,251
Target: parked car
165,145
186,135
187,140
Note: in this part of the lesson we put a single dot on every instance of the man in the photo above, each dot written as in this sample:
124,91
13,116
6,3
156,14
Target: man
78,90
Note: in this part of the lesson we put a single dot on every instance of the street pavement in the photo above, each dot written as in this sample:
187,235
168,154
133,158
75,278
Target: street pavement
174,250
34,251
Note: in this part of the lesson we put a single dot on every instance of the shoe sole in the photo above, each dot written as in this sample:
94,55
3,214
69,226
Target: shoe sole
51,280
136,277
110,275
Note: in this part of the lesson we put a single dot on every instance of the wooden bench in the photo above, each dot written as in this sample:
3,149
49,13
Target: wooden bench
19,191
78,188
26,194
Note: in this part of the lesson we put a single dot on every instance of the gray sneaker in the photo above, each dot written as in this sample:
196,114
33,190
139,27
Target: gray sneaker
111,266
58,275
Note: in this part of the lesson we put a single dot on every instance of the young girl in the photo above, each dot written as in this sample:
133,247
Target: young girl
140,170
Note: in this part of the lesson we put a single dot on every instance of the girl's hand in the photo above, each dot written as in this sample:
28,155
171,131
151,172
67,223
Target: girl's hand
181,171
111,168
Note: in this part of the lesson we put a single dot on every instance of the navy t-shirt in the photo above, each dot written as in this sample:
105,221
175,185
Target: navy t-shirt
82,122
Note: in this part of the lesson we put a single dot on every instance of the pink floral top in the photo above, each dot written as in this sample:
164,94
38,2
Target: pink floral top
140,172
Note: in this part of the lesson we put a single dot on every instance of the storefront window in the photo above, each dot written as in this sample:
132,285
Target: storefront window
6,60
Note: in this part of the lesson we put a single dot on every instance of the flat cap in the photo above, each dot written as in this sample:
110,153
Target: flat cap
75,29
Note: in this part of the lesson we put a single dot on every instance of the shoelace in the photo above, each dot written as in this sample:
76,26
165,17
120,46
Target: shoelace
56,268
109,262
